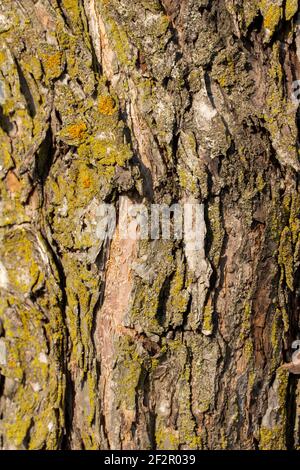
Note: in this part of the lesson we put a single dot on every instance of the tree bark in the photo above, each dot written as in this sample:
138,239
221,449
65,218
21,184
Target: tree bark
141,344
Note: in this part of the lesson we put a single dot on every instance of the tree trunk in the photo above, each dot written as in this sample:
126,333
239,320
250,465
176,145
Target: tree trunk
144,344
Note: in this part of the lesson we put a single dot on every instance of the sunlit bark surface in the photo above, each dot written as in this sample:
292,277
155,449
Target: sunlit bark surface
143,344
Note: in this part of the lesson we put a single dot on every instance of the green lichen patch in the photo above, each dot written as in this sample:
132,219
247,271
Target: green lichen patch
117,34
272,12
34,336
205,353
276,338
246,324
291,8
22,261
273,430
167,438
207,322
179,295
108,152
286,258
128,373
279,115
148,308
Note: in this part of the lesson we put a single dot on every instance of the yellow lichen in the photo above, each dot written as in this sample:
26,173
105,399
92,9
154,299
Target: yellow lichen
129,372
272,14
207,325
73,9
77,131
166,439
246,325
271,439
16,432
248,348
74,133
286,258
291,8
107,105
108,152
52,63
260,183
178,294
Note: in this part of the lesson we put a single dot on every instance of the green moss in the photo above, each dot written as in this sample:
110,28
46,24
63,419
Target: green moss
3,58
34,341
183,177
71,192
6,161
13,212
175,345
227,78
275,334
251,379
71,41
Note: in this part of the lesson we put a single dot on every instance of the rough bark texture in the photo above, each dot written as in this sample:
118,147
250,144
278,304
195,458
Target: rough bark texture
143,344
